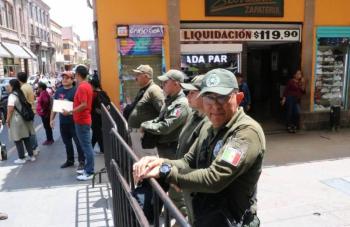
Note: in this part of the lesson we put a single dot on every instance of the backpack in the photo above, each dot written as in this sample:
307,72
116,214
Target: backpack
26,110
101,97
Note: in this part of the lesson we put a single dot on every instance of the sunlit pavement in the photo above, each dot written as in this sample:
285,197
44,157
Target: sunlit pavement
305,182
41,194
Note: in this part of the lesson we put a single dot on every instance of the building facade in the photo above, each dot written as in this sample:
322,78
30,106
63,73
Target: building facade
39,30
71,47
15,53
267,42
90,48
57,64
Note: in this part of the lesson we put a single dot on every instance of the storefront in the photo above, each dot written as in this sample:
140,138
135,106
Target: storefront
138,44
4,55
267,41
19,60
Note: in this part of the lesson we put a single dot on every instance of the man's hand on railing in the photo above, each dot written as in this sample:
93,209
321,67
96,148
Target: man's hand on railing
143,166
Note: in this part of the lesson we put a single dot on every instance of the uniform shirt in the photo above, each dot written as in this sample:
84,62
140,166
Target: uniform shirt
172,117
148,107
65,94
83,94
28,94
223,166
190,133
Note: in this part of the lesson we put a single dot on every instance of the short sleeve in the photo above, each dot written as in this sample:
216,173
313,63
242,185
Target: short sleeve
11,100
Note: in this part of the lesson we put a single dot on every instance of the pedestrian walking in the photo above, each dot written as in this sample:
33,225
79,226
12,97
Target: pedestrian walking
82,119
67,127
19,129
291,99
221,171
146,106
30,97
43,108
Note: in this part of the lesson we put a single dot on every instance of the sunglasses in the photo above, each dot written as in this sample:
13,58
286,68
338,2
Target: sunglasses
211,99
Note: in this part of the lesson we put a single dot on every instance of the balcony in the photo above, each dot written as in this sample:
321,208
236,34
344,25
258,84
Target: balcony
35,40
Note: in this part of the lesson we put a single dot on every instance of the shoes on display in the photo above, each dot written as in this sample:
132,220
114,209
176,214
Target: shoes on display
326,96
335,90
328,52
337,78
319,53
319,71
319,59
324,90
337,83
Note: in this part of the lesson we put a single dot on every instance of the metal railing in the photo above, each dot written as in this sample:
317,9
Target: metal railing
119,159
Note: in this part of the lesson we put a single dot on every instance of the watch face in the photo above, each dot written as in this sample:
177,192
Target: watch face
164,168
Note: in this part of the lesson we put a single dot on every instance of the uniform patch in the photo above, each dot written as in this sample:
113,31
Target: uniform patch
176,112
232,156
217,148
212,80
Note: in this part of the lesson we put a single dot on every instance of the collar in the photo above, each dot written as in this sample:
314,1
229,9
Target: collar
174,97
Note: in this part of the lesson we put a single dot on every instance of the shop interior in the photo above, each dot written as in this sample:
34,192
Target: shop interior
269,67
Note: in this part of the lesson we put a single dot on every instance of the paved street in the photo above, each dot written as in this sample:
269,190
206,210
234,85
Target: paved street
305,182
41,194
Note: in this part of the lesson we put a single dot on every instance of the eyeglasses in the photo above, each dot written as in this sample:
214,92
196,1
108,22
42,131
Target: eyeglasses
212,99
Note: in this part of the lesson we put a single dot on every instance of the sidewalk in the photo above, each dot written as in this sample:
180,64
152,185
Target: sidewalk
40,194
312,193
305,182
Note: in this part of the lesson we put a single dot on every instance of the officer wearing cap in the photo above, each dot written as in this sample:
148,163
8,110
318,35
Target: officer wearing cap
150,97
222,168
172,117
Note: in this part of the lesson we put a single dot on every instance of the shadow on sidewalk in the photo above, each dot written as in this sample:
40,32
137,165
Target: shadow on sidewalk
93,207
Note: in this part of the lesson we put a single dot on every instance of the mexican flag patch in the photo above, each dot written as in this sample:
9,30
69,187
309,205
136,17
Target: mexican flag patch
232,156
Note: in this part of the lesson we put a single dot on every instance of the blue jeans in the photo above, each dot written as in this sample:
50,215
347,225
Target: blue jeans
84,137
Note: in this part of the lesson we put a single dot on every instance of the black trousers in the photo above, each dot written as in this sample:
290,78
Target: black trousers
334,118
97,137
68,134
20,148
48,129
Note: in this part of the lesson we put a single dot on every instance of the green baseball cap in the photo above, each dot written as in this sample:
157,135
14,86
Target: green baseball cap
195,84
220,81
173,74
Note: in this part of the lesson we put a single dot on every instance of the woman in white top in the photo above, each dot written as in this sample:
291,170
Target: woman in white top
19,129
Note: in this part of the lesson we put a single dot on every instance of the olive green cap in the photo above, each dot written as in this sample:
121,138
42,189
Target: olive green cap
220,81
173,74
195,84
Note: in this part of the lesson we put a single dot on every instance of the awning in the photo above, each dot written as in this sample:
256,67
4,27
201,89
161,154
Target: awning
16,50
4,53
29,52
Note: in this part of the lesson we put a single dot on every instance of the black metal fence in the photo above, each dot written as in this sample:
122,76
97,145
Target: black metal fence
119,159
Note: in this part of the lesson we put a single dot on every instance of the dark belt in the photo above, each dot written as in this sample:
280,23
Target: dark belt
166,145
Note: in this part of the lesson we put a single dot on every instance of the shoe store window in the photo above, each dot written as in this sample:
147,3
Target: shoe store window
331,74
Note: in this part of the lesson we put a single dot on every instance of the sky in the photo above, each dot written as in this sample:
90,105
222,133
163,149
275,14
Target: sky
74,13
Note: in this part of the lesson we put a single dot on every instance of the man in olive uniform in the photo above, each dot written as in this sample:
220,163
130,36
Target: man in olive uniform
173,115
189,134
222,168
146,106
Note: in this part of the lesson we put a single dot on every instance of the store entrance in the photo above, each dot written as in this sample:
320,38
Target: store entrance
269,67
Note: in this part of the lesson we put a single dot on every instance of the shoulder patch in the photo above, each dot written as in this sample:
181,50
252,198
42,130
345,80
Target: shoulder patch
176,112
234,152
217,148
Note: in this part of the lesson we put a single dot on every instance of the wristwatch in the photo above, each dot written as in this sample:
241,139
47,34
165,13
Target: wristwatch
164,170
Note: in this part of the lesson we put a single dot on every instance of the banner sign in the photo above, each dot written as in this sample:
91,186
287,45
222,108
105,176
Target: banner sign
245,8
207,58
140,46
210,35
152,31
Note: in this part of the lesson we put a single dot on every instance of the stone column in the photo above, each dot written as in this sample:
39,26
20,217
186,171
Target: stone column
307,51
174,33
